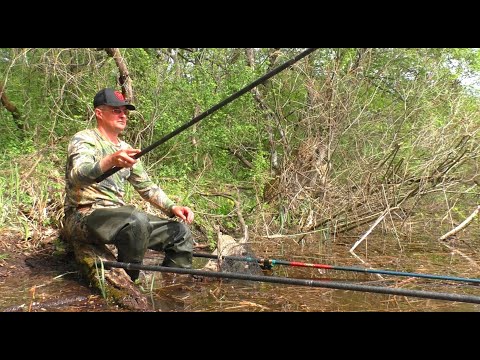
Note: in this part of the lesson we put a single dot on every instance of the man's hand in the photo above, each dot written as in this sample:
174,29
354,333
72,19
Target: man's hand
121,158
183,212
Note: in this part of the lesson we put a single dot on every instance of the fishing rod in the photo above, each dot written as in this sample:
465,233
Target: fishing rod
268,263
305,282
210,111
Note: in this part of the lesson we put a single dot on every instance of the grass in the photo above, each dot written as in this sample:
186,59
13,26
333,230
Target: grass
100,276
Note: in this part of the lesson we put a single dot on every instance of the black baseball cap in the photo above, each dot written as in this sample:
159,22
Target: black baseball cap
112,98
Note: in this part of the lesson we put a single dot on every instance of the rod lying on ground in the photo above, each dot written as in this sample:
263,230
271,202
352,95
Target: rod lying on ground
304,282
268,263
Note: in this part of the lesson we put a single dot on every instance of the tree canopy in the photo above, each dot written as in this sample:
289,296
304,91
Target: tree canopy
329,144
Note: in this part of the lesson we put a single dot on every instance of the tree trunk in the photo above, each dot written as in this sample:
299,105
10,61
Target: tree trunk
115,284
17,118
124,78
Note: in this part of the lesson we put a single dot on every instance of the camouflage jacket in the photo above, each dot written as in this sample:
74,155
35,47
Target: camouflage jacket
85,151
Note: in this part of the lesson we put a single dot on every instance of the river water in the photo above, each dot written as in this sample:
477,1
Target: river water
51,283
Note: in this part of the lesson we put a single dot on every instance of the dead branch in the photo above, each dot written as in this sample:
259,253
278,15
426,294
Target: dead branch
461,226
243,225
239,156
17,117
27,175
124,78
469,259
370,230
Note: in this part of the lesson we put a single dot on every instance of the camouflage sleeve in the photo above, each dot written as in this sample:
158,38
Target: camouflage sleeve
84,164
148,190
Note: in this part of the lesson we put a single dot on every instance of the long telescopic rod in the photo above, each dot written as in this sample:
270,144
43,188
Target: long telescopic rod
291,281
268,263
210,111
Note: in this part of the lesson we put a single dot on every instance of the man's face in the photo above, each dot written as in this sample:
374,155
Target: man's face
112,118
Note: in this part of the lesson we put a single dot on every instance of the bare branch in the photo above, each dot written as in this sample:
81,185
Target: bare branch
124,78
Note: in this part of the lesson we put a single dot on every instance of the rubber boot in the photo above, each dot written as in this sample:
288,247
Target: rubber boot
178,260
134,274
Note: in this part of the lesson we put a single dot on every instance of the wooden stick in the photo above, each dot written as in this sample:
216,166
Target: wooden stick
470,260
385,212
462,225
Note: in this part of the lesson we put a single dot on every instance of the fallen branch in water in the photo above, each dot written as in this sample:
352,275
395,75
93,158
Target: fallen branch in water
456,230
382,216
461,226
453,250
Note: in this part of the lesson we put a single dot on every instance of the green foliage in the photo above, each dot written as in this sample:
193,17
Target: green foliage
14,148
369,100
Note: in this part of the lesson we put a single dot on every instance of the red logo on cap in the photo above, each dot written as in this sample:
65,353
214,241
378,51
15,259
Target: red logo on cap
119,95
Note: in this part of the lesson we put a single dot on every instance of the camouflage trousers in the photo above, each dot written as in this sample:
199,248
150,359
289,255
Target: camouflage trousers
132,231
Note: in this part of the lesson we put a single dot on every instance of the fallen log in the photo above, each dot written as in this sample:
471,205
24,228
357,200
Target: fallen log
114,284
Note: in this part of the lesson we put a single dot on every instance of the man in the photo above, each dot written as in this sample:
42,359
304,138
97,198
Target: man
97,212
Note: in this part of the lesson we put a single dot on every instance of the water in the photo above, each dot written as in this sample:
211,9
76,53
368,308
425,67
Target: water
46,285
